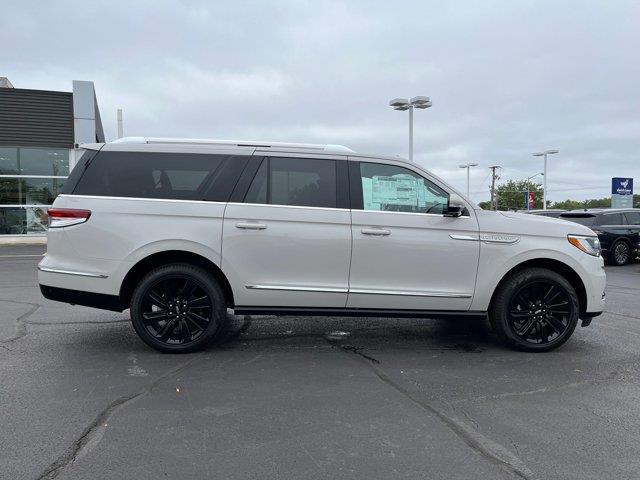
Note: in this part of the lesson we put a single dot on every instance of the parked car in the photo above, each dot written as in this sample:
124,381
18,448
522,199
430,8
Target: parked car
179,231
617,229
549,212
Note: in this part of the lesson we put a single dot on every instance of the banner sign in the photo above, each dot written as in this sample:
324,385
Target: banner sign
529,200
621,192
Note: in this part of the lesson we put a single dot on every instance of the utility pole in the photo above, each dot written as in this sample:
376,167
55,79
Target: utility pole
494,177
120,124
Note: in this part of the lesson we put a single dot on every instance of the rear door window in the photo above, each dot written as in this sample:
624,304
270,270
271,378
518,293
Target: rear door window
611,219
175,176
305,182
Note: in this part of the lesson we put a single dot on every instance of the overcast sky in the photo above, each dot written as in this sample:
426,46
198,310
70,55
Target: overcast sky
507,78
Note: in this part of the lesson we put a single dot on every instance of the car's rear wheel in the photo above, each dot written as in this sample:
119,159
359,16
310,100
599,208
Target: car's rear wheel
620,253
178,308
535,310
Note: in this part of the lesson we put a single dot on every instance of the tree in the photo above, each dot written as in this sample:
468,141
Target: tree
485,205
568,205
511,194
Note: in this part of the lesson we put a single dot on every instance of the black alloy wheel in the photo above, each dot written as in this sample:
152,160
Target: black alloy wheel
539,312
621,253
178,308
535,309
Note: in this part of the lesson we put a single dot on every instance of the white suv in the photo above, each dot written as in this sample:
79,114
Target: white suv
178,231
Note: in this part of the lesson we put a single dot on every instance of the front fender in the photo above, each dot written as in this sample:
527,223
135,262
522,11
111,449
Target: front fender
494,265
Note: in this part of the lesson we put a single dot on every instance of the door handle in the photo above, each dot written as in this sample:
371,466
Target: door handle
376,232
251,226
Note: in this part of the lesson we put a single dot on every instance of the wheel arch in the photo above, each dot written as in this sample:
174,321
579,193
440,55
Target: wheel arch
557,266
152,261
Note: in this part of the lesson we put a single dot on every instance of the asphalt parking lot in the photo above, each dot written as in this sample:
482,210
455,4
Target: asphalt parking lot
81,397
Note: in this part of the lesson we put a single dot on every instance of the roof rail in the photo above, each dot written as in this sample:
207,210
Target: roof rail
237,143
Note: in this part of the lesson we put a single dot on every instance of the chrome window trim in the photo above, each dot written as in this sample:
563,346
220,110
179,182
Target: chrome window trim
172,200
288,206
410,213
72,272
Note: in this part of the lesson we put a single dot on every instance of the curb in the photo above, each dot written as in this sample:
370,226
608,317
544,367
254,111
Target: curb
22,240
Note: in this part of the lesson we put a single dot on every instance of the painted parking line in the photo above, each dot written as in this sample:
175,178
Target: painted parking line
18,256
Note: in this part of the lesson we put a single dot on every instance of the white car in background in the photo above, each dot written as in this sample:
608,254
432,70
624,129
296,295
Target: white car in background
178,231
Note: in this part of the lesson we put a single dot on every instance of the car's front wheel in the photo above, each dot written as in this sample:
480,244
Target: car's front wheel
178,308
535,309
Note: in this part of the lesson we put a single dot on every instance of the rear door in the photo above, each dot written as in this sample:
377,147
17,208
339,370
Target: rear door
633,219
406,254
287,234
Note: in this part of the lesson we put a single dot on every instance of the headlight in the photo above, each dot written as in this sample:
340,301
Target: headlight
590,245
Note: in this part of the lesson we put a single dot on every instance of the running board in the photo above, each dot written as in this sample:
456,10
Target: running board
358,312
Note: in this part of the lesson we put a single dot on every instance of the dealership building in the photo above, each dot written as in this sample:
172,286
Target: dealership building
40,131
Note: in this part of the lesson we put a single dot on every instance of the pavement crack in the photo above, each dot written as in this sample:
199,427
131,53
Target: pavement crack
93,433
21,322
358,351
484,446
89,438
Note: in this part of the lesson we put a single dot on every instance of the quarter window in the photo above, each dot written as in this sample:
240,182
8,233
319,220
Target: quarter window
181,176
390,188
304,182
633,218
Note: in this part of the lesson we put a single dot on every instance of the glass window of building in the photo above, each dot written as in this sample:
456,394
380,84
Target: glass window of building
30,180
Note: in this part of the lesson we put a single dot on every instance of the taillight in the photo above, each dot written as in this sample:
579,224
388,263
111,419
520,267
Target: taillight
65,217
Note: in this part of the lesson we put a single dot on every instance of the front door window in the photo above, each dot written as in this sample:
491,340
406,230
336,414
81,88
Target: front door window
391,188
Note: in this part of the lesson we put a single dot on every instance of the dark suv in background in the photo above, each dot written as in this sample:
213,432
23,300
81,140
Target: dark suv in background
618,230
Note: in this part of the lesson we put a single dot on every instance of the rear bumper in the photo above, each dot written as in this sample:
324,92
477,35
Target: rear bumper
87,299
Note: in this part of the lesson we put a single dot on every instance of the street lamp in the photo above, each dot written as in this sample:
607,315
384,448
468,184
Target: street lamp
544,181
404,104
528,191
468,167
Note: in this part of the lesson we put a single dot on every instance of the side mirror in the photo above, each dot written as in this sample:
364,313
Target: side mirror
453,210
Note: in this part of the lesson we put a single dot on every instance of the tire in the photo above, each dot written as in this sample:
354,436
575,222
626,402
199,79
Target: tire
178,308
534,310
620,253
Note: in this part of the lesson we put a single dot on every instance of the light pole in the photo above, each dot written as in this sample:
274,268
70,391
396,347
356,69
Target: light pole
468,167
404,104
528,191
544,181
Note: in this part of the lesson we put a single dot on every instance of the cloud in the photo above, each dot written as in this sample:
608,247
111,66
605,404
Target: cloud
506,78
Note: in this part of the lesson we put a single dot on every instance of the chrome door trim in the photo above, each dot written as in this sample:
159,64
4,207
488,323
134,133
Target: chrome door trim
72,272
363,291
367,291
470,238
297,289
